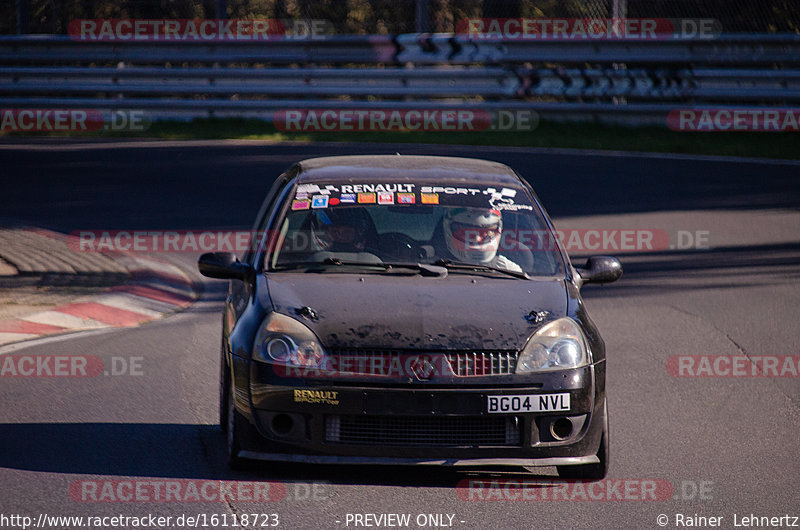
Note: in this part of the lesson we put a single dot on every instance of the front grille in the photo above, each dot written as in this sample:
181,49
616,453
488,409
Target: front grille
478,363
453,431
395,363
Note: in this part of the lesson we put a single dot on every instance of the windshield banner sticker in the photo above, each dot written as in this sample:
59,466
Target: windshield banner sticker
406,194
319,201
450,190
504,200
362,188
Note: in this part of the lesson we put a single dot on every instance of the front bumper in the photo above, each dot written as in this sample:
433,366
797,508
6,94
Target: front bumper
306,421
394,461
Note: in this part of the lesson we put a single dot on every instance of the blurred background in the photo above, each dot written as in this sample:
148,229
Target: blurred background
398,16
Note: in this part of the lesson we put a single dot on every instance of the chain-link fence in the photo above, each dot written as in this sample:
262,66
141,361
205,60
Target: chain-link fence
399,16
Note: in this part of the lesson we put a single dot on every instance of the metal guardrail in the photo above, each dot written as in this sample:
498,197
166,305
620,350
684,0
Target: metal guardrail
271,82
64,50
726,49
603,79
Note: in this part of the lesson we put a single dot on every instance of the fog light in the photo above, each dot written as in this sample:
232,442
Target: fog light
282,424
561,428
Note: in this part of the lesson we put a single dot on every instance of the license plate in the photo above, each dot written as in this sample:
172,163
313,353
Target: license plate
528,403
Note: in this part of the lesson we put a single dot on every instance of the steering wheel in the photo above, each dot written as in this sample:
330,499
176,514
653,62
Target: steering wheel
396,246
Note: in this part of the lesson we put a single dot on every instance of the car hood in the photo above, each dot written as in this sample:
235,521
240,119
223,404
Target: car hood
391,311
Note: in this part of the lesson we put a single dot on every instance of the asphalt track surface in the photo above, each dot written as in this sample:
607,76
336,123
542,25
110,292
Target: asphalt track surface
725,445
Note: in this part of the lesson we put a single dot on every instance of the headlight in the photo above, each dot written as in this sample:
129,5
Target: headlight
284,340
558,345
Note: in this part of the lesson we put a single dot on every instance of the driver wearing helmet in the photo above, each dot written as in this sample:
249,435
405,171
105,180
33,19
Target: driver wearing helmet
341,229
473,235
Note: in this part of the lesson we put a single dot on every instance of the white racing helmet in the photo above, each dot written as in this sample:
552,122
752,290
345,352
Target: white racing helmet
473,234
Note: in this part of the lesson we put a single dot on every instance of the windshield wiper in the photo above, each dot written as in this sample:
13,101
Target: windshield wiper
461,265
327,261
423,268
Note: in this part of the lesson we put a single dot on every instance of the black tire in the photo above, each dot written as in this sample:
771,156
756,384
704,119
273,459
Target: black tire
224,383
233,431
591,471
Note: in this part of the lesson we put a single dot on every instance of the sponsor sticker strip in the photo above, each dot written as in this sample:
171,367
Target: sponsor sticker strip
398,193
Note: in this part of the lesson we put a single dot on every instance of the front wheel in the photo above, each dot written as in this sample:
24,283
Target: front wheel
233,430
224,385
591,471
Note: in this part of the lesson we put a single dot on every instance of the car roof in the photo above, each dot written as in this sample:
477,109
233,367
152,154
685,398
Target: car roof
433,169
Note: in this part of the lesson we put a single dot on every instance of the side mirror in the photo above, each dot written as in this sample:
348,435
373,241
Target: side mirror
223,265
600,269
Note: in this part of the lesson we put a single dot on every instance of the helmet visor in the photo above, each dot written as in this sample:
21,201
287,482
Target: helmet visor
474,235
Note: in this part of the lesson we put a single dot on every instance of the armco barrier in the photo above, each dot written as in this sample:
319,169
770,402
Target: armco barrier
607,80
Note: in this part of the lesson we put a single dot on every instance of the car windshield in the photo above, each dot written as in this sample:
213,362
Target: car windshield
459,227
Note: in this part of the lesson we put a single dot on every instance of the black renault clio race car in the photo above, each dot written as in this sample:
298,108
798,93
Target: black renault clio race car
410,310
